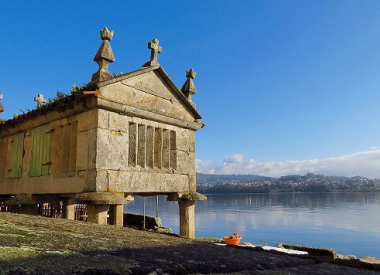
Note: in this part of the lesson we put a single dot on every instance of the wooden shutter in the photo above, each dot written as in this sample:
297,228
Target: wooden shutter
40,151
3,158
16,155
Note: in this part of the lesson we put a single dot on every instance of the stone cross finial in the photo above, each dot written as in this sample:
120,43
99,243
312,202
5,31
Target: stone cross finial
104,57
40,100
1,105
188,89
191,73
155,50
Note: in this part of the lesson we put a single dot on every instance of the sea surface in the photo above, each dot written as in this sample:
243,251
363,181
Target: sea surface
347,222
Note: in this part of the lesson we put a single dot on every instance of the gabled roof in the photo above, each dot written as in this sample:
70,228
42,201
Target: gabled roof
164,76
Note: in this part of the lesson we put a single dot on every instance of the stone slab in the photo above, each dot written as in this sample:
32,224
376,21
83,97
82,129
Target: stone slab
112,149
144,182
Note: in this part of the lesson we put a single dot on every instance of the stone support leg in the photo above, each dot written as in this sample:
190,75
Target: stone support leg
97,213
186,219
116,214
68,211
29,209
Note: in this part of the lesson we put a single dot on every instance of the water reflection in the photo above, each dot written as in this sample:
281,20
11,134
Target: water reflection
348,222
295,200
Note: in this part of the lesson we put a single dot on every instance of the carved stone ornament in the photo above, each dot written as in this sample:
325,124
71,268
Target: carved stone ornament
155,50
188,89
1,105
104,57
40,100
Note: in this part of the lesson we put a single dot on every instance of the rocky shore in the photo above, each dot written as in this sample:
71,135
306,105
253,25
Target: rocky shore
37,245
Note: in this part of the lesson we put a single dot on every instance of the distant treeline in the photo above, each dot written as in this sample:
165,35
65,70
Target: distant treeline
220,179
292,183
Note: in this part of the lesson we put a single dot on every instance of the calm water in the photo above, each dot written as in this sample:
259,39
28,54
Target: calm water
347,222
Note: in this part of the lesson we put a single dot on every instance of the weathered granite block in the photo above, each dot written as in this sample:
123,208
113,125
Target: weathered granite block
185,162
118,122
192,182
82,152
140,182
150,83
142,98
103,119
185,140
102,180
92,153
112,149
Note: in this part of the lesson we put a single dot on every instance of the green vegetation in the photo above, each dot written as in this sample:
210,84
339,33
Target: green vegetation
61,96
60,99
116,75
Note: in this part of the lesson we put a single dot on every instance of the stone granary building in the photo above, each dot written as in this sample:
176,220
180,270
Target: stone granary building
123,135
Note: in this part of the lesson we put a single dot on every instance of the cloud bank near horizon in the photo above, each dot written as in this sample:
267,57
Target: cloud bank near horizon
366,164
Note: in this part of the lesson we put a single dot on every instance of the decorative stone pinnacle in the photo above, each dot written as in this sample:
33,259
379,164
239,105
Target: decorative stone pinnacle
188,89
191,73
40,100
155,50
105,34
104,57
1,105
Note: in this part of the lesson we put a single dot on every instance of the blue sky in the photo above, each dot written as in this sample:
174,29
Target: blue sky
285,87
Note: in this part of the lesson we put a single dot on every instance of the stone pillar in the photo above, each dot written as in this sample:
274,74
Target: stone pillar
116,214
29,209
68,211
187,218
97,213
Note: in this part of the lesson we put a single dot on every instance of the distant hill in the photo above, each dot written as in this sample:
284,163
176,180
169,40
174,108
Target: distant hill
220,184
220,179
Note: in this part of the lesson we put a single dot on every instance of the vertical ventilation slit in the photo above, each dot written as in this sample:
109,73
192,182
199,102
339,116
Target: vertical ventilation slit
173,150
141,143
132,144
158,148
166,149
150,147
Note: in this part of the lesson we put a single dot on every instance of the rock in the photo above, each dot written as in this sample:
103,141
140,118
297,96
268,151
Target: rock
346,257
164,230
313,251
371,260
138,221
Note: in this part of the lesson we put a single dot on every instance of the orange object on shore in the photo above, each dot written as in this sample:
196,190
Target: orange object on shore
231,241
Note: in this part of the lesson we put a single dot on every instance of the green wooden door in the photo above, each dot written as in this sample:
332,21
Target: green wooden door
17,153
40,151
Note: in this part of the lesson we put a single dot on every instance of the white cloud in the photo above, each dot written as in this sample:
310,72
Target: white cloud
207,167
234,159
365,164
